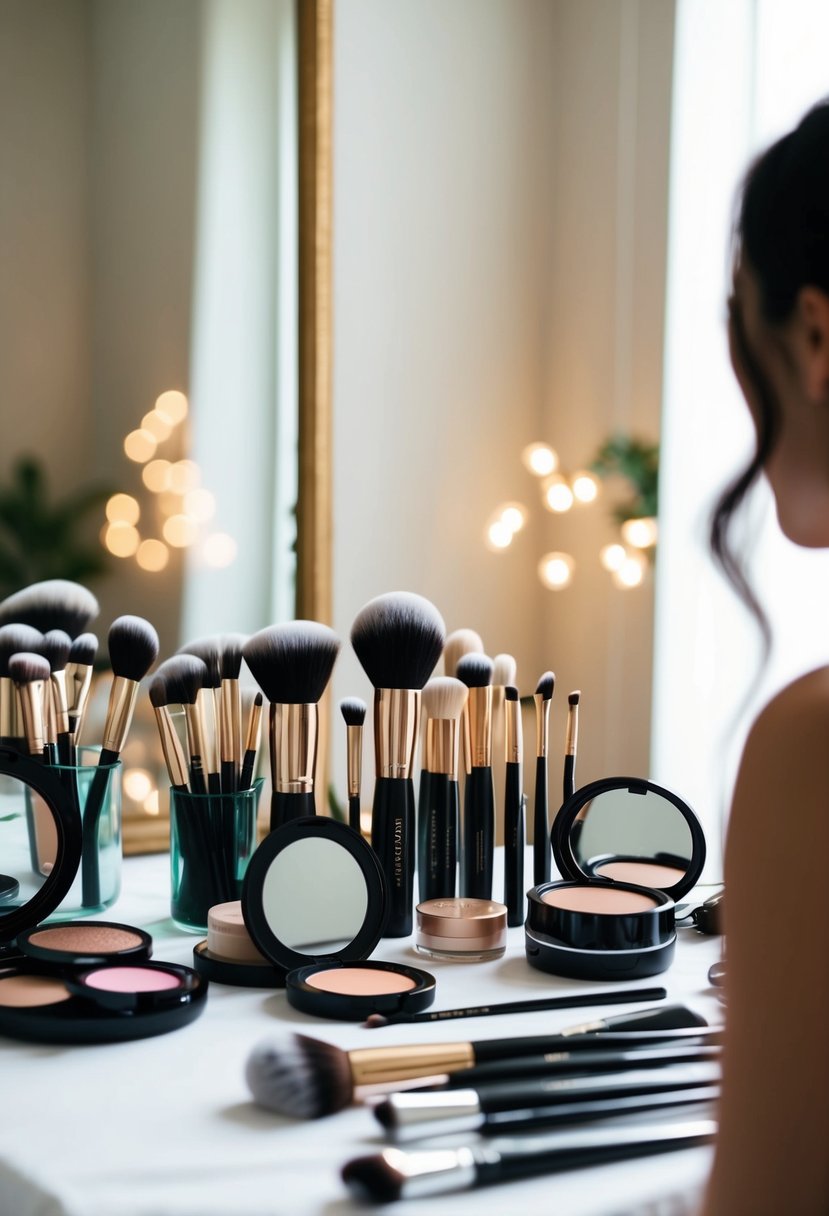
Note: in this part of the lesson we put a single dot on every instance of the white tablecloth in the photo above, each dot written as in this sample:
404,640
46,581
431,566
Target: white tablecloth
165,1126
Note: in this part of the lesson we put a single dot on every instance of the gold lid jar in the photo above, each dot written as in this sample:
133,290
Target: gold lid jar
460,929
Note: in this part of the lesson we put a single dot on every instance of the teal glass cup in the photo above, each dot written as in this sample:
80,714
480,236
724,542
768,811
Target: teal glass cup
212,839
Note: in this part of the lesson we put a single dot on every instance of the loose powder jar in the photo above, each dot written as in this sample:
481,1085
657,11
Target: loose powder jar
461,930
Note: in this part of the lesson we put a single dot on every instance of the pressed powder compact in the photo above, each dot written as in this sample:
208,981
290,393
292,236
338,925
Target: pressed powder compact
461,930
85,943
626,849
228,956
354,991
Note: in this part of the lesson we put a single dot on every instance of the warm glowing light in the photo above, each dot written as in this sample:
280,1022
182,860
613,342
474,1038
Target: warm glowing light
184,475
156,475
630,573
641,533
152,555
613,557
513,515
499,535
585,487
558,496
137,784
180,531
151,805
172,406
201,504
540,459
123,509
121,539
140,446
170,503
219,550
556,570
157,425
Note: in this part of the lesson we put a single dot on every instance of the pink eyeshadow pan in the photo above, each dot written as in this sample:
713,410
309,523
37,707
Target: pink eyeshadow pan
131,979
645,873
360,981
607,901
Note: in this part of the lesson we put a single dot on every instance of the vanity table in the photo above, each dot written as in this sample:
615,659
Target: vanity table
165,1126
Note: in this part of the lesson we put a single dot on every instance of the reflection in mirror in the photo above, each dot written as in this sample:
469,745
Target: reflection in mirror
315,896
28,844
632,837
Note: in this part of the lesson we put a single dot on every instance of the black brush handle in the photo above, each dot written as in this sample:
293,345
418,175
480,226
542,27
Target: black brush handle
214,783
65,748
505,1122
479,834
544,1091
246,778
664,1017
198,784
230,777
514,846
568,1063
354,812
90,873
541,825
393,840
437,818
285,807
569,785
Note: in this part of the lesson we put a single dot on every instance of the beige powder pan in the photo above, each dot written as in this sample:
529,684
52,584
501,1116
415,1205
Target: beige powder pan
85,943
351,992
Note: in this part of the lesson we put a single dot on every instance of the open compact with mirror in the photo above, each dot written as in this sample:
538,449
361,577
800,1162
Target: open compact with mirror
626,850
314,905
85,981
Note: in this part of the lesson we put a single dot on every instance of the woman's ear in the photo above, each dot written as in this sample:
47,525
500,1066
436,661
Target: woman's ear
812,342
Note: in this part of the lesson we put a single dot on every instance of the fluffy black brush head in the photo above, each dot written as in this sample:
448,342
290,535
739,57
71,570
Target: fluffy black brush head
510,693
26,668
84,649
17,638
178,681
133,647
53,604
300,1077
545,686
292,663
398,638
353,711
209,650
475,670
55,649
375,1178
574,697
232,645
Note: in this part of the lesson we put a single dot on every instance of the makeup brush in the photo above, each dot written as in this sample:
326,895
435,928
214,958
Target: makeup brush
174,756
398,638
475,671
14,639
561,1063
30,673
230,717
292,664
183,675
209,701
579,1000
541,819
571,745
55,649
307,1078
513,809
55,603
459,643
504,672
353,710
79,681
444,699
395,1174
251,742
133,648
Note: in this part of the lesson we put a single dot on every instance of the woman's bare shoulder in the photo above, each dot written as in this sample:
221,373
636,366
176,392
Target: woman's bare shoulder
803,704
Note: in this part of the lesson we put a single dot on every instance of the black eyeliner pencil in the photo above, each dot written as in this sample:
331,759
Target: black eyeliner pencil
514,895
541,819
475,671
573,1000
571,744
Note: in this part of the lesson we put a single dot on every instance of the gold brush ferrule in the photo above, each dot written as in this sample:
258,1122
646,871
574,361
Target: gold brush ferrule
58,683
122,697
31,707
49,719
480,726
170,745
513,732
440,747
206,702
78,684
354,743
542,723
227,735
195,731
234,696
381,1065
254,728
294,736
467,742
571,740
8,709
396,718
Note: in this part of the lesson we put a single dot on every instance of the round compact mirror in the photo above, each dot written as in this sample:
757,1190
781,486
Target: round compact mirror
629,830
40,843
314,891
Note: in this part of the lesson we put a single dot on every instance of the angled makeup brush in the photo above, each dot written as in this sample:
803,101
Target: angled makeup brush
183,676
513,809
292,664
458,644
174,756
230,717
475,671
353,710
541,818
133,648
251,749
444,699
30,673
79,681
55,648
14,639
398,638
571,744
209,701
56,603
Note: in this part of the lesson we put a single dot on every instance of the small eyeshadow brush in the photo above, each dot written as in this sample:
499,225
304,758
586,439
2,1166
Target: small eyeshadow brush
444,699
353,710
55,648
174,756
459,643
79,681
514,897
475,671
230,715
571,744
251,750
541,819
209,702
183,675
504,673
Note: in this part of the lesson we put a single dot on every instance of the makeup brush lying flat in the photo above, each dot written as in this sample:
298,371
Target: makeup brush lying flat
541,818
177,682
576,1000
566,1063
398,638
475,671
79,681
444,700
396,1174
571,744
14,639
353,710
292,664
208,700
251,749
307,1078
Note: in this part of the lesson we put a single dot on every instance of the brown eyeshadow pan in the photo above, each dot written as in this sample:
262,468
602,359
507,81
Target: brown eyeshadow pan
86,939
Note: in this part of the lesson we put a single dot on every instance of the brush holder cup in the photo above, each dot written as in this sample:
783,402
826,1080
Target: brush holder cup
212,839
